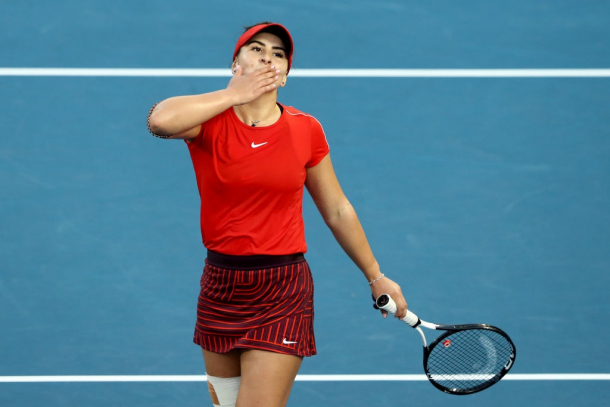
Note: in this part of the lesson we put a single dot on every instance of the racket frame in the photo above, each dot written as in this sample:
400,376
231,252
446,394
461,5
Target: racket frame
451,329
386,303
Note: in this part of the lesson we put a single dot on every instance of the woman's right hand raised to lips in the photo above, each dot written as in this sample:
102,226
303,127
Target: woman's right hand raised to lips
249,86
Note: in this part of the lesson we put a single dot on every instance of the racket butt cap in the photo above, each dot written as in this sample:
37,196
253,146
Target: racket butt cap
385,302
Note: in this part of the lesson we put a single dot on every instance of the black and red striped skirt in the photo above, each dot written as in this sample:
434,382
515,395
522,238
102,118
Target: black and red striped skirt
256,302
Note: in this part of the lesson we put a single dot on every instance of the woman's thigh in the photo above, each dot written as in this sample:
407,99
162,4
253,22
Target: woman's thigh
266,378
222,364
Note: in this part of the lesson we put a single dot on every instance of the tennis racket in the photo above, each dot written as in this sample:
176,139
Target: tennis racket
465,359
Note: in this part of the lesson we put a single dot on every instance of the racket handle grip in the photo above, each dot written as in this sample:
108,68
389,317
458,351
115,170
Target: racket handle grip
385,302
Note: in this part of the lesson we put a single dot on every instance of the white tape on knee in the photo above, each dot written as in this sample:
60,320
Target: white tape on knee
224,390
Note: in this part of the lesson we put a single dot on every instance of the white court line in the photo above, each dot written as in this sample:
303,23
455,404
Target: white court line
317,73
301,378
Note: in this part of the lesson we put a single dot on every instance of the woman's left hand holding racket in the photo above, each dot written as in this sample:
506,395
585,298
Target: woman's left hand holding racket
386,286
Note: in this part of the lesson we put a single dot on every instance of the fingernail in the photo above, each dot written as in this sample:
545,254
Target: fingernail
272,67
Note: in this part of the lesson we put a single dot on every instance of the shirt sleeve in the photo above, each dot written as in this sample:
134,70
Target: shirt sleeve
319,144
204,130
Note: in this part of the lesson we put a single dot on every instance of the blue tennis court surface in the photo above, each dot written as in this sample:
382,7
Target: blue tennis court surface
485,198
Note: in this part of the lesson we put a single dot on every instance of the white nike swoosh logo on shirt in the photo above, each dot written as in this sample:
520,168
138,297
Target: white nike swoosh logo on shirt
285,342
258,145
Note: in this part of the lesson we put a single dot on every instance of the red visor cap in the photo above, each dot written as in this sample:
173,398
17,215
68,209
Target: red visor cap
273,28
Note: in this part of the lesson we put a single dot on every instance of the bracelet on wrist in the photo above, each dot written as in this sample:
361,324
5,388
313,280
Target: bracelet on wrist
377,279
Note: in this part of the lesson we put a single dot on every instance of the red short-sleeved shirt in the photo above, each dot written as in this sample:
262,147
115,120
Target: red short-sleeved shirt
251,181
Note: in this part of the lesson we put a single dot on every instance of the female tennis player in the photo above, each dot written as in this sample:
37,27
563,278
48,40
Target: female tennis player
252,158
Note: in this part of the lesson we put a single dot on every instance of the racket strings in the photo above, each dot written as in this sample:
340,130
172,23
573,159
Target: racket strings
468,360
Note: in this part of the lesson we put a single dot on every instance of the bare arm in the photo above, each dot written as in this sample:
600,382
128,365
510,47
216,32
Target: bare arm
343,222
181,116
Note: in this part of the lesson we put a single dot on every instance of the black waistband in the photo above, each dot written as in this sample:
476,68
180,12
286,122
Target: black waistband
252,262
